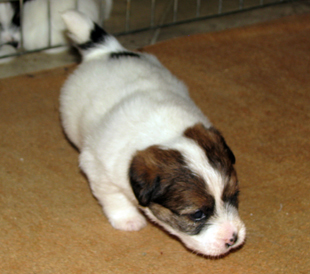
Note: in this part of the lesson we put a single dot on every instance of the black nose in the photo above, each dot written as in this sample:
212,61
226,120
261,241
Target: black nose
232,240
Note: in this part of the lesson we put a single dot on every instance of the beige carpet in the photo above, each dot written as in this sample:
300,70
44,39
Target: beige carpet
253,83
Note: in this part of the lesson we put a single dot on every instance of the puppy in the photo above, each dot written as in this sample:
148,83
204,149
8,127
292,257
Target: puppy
145,145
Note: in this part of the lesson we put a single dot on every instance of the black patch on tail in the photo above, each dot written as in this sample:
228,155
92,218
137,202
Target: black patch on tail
97,36
121,54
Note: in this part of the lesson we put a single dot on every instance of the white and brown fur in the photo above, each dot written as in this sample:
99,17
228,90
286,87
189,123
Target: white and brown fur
146,146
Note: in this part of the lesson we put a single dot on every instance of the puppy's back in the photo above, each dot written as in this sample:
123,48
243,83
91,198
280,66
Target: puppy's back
108,74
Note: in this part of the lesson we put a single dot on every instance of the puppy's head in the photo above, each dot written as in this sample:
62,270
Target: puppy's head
190,188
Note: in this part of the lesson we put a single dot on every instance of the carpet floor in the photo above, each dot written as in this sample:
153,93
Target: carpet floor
254,85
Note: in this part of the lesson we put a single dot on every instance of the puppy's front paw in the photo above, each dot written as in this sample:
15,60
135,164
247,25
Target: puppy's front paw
133,222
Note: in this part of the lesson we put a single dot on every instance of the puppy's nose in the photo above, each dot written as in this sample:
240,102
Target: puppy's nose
231,241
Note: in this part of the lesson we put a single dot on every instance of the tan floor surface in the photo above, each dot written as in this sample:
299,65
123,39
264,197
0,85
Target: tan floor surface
254,85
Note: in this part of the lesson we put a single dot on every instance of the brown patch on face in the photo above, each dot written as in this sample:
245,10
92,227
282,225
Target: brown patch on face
220,157
213,143
179,222
162,181
231,190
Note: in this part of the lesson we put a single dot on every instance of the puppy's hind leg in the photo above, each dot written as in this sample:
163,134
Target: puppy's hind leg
121,212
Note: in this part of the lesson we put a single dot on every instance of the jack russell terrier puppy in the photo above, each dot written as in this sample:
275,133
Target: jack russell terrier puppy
145,146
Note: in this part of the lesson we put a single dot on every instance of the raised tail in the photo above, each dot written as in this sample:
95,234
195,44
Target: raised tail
91,40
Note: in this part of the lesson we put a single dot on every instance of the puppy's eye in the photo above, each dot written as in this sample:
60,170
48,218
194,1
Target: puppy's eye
197,216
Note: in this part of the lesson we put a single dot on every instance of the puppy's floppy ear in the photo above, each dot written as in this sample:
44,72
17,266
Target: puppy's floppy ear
149,171
213,143
224,148
144,175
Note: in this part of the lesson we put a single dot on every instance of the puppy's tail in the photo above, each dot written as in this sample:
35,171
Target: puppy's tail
91,40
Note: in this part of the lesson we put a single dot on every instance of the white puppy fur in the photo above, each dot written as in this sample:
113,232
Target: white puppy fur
42,25
140,136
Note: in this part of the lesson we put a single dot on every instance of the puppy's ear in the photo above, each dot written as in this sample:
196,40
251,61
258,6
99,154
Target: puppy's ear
213,143
144,175
224,149
149,171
